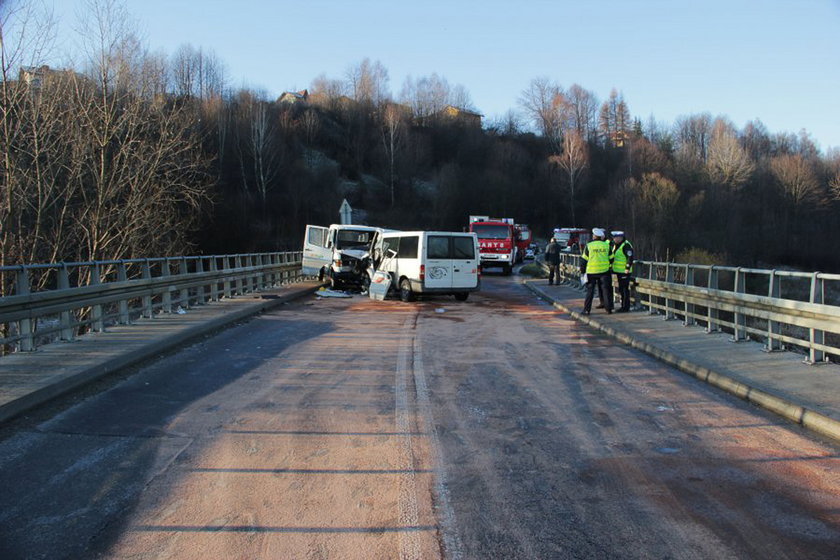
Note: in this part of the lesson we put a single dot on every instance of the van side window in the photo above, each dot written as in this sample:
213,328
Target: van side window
318,236
438,247
408,247
463,248
391,243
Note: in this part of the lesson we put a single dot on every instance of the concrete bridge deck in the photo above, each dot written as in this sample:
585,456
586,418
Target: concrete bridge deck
781,382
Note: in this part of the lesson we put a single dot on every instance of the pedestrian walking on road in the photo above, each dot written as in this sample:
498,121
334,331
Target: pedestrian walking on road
596,262
552,259
621,251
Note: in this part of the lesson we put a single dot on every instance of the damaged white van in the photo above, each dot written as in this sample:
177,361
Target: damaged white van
337,253
427,262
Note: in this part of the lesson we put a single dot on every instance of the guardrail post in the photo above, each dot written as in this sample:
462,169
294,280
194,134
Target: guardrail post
122,305
669,303
712,312
689,307
276,279
27,339
200,291
285,275
651,272
65,316
226,287
237,264
214,286
254,276
96,310
166,297
264,277
184,293
816,356
148,311
774,328
739,332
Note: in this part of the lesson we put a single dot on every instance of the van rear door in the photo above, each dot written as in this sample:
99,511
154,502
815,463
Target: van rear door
316,255
438,262
465,259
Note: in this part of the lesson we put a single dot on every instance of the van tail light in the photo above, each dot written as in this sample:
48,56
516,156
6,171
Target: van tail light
338,263
422,272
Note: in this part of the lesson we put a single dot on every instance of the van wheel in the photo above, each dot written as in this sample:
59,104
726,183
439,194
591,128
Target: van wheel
507,269
321,275
365,282
405,290
462,296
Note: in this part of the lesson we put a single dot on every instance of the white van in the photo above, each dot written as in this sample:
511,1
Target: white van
337,253
427,262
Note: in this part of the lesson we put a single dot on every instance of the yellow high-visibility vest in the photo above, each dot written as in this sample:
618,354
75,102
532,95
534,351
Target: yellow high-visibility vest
597,257
619,258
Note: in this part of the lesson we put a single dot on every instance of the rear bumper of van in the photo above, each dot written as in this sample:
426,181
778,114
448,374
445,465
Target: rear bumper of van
417,286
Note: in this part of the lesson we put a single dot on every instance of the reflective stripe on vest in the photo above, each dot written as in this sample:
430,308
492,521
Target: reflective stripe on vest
620,259
597,256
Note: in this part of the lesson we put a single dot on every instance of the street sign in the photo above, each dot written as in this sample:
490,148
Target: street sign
346,213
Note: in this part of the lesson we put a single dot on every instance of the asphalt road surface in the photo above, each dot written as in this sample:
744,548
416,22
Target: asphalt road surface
347,428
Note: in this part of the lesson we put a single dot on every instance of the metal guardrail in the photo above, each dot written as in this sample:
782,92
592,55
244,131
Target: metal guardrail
67,297
781,309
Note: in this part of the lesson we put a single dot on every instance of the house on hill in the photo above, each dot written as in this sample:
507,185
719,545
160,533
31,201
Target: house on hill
461,115
292,97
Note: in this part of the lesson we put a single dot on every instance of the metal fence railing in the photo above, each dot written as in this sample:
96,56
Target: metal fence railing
781,309
59,300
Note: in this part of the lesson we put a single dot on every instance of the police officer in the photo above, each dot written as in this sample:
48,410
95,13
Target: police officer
596,262
552,259
622,256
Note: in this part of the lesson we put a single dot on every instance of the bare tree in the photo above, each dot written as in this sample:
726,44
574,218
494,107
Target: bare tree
796,178
542,102
654,200
727,162
197,72
426,96
393,132
583,110
145,175
692,135
573,160
368,82
26,36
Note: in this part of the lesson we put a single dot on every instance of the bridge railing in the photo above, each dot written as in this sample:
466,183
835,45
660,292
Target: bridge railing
780,308
60,300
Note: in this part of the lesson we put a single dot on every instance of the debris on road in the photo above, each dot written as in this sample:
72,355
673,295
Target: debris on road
331,293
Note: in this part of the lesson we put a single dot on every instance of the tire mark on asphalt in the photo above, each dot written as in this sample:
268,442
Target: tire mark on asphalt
407,502
446,515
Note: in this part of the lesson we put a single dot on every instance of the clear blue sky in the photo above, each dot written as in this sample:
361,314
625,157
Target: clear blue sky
776,60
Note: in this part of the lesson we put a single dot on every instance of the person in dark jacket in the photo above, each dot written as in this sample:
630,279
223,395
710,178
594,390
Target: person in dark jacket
552,259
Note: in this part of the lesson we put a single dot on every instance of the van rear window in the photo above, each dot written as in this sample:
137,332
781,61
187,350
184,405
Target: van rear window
455,247
463,248
438,247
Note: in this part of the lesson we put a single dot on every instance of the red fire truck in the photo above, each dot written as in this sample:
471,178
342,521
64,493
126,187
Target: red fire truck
572,239
497,240
523,240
